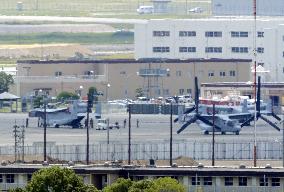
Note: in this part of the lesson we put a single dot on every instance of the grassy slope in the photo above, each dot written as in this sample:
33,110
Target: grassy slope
98,8
80,38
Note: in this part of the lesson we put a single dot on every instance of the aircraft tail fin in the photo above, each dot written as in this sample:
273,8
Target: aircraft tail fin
245,106
73,108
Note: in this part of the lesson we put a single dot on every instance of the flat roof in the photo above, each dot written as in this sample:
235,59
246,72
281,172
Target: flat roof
126,61
158,171
243,84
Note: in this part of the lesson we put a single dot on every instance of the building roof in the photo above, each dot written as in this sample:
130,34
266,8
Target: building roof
127,61
8,96
243,84
159,171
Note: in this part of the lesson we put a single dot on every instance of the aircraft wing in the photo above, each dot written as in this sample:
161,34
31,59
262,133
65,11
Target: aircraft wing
39,112
239,116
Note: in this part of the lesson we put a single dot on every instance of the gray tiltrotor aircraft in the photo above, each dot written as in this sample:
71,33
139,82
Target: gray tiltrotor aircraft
68,116
234,118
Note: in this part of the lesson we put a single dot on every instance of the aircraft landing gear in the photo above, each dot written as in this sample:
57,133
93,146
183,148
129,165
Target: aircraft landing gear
223,133
206,132
237,132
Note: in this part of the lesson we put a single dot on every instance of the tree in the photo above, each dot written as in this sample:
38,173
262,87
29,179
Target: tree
165,184
56,179
64,95
5,81
121,185
142,186
139,92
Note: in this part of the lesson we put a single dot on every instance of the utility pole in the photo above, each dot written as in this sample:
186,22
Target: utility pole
254,39
213,136
44,130
89,106
129,134
171,136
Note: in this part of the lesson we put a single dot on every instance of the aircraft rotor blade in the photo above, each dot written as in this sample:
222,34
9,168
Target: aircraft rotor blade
186,112
208,122
270,123
276,116
247,121
189,110
192,120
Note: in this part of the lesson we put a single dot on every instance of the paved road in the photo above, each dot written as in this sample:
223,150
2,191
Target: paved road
151,128
50,28
4,18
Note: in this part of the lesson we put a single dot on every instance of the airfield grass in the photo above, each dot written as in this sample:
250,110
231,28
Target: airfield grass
79,38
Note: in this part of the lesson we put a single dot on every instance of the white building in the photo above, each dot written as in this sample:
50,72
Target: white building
223,38
245,7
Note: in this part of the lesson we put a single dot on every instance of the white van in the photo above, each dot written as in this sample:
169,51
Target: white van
145,9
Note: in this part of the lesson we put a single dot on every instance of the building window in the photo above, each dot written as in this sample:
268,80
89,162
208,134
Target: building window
263,181
166,92
178,73
29,177
187,49
240,49
181,91
213,49
207,181
232,73
187,33
161,33
10,178
239,34
229,181
213,34
195,181
211,74
260,34
260,50
275,181
58,73
161,49
1,178
222,73
243,181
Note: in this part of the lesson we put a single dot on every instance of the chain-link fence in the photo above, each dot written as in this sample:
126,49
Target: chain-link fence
154,150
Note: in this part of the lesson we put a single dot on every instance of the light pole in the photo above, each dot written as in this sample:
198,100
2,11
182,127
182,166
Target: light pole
107,87
80,91
282,137
129,134
255,70
171,135
44,125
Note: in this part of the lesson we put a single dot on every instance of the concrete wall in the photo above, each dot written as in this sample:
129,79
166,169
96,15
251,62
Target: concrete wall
272,41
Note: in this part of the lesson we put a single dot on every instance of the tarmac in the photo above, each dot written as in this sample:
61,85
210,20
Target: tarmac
150,128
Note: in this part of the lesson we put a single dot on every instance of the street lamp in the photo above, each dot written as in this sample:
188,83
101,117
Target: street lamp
80,91
107,87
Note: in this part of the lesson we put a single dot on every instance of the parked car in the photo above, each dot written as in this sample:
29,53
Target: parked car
145,9
195,10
